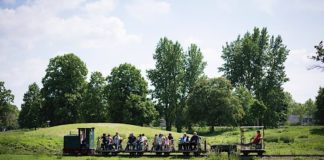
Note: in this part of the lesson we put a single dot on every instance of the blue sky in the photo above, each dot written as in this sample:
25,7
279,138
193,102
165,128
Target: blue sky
106,33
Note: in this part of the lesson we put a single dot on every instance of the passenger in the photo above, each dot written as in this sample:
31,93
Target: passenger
159,142
171,141
145,144
194,141
131,142
104,144
154,144
117,141
257,138
139,143
166,144
184,141
110,142
98,143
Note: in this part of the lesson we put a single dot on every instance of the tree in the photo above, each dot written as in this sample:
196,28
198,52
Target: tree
127,96
29,116
63,89
95,104
310,108
246,100
167,78
320,106
194,68
8,112
211,102
257,63
319,57
257,111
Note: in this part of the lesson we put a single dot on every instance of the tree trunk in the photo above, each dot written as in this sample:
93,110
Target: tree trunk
212,129
168,124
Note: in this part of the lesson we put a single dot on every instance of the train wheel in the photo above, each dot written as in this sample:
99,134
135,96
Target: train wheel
245,153
260,153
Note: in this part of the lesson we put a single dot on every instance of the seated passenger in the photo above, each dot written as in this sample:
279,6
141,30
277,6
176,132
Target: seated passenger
110,142
166,144
144,140
159,142
117,141
131,142
257,138
154,144
184,142
104,144
194,141
171,141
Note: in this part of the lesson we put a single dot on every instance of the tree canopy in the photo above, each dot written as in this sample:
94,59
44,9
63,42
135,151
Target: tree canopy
63,89
29,116
127,96
256,61
94,106
8,111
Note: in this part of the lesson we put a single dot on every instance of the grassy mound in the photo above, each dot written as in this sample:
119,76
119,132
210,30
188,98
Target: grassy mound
49,141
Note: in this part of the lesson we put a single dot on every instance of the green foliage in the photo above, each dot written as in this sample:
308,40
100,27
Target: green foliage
257,112
319,56
8,112
167,78
29,116
95,105
246,99
194,68
287,139
211,102
63,89
320,106
271,139
257,63
127,95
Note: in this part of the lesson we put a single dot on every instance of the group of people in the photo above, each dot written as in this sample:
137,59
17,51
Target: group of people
160,142
108,142
187,143
163,143
139,143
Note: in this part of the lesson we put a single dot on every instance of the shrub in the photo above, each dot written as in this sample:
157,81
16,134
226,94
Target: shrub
287,139
271,139
303,136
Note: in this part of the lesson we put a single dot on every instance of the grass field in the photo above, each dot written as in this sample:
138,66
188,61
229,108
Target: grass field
45,143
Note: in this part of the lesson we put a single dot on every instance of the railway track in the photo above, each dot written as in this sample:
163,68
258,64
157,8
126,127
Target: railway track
284,156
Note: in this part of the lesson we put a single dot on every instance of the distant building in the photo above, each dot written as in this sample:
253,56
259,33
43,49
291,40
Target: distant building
294,119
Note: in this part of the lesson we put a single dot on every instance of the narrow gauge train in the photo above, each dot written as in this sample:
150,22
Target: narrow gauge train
83,143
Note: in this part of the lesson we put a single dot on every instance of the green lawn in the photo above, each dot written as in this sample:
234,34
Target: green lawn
49,141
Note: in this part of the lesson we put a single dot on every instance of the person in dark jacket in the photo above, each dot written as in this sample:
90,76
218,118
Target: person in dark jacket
194,141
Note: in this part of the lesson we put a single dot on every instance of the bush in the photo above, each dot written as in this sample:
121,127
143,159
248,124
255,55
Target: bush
271,139
303,136
287,139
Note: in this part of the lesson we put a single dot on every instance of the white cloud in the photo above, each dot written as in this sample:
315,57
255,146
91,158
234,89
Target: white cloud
101,6
37,30
148,9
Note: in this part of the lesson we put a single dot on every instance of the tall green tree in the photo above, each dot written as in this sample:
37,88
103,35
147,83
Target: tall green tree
256,61
8,111
63,89
95,104
167,79
211,102
29,116
194,68
320,106
127,96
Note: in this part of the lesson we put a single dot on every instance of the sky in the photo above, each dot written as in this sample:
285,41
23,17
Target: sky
106,33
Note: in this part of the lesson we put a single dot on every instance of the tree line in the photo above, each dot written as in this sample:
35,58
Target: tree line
250,91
